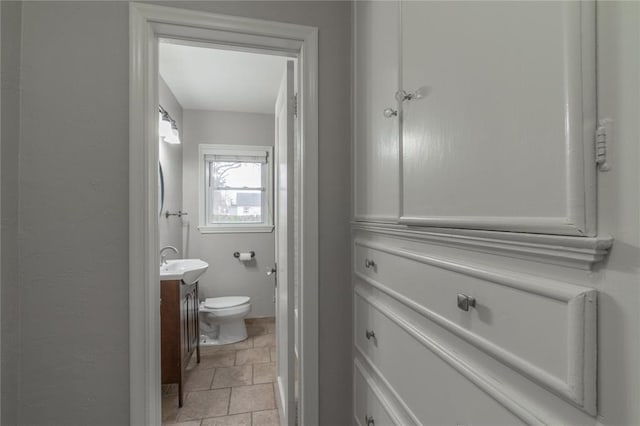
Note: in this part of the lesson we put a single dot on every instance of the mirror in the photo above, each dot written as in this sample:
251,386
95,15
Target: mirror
160,189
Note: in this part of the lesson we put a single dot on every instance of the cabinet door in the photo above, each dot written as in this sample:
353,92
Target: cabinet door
376,53
498,133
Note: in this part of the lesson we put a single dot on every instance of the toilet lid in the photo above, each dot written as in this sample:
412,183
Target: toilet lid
225,302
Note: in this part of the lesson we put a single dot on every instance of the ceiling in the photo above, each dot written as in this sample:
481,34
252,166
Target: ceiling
221,80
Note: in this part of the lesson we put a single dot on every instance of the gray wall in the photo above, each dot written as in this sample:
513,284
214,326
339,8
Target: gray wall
74,237
618,279
11,18
170,228
74,206
226,275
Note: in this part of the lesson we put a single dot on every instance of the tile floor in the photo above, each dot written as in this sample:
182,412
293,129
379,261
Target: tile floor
232,385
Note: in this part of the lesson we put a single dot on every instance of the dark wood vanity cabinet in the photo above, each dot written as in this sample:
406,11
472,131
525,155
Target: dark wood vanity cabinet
180,331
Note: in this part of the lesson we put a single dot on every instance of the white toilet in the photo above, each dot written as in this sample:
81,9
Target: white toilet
222,320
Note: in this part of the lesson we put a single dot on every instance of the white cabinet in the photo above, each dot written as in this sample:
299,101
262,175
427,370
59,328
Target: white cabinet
499,134
496,130
376,65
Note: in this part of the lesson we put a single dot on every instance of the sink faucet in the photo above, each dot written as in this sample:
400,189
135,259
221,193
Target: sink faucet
163,257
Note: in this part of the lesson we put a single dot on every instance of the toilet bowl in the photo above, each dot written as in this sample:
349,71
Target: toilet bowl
222,320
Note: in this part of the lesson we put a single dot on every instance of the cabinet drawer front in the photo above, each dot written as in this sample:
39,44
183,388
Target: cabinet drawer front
513,314
435,392
367,405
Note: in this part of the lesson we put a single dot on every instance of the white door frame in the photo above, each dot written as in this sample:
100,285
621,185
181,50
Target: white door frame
147,24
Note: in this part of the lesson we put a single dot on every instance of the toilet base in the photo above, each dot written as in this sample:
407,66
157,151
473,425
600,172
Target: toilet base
227,333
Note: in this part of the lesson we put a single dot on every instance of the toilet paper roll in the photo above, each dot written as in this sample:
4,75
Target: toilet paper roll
245,257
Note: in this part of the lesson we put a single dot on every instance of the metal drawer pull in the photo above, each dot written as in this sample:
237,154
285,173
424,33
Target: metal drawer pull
369,421
370,334
390,112
465,302
369,263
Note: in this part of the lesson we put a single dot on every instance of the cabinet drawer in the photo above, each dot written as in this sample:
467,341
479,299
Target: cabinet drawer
368,409
513,314
435,392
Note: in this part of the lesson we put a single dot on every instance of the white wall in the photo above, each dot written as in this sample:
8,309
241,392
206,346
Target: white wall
74,208
170,155
226,275
11,19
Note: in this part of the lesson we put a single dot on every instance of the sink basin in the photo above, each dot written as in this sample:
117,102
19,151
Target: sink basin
187,270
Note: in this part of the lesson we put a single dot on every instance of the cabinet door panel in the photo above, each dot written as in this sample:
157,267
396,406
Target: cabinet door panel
500,133
376,49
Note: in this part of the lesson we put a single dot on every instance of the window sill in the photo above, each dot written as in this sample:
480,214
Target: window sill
224,229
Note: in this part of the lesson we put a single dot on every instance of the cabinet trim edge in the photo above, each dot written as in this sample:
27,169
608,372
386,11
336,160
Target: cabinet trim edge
574,252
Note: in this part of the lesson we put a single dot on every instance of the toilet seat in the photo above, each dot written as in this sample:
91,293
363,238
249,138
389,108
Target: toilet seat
225,302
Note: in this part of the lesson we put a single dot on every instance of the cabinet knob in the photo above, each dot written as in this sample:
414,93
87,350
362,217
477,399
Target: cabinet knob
370,334
402,95
390,112
368,263
369,421
465,302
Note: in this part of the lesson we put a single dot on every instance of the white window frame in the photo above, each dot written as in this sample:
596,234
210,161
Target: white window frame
220,149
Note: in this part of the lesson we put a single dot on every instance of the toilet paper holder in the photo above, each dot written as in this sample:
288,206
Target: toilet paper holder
237,254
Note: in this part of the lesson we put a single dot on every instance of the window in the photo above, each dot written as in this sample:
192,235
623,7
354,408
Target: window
235,188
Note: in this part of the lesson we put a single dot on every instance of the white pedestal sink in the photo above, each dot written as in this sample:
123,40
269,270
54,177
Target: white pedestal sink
187,270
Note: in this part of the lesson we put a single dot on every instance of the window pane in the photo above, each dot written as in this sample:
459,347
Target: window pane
237,175
232,206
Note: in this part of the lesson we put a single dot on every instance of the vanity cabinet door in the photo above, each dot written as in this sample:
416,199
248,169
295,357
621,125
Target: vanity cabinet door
376,132
499,116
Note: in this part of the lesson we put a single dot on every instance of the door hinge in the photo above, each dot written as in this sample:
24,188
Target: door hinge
604,137
295,105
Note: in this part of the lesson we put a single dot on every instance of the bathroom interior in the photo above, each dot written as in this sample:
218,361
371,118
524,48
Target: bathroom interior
217,132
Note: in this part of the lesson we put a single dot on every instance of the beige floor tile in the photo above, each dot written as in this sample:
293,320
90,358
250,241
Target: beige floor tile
217,359
250,356
264,340
264,373
266,418
199,379
191,423
198,405
256,330
251,398
169,408
170,389
273,354
235,420
271,328
227,377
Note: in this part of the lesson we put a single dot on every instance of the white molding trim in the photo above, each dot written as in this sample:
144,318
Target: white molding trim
147,24
578,217
499,391
579,387
406,417
375,218
573,252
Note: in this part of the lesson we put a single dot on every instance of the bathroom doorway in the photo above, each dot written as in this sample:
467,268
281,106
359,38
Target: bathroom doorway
232,186
226,149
